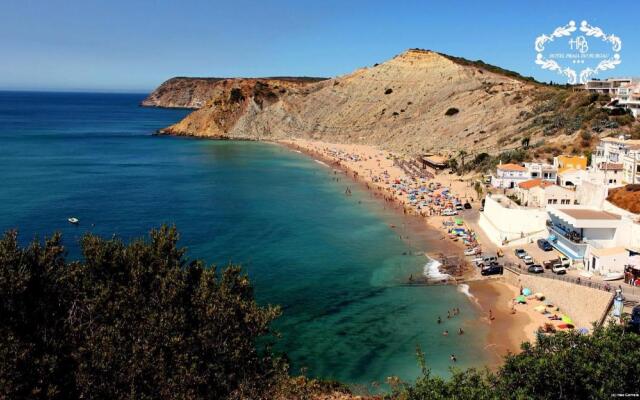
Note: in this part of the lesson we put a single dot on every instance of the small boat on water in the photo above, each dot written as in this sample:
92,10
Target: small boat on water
73,220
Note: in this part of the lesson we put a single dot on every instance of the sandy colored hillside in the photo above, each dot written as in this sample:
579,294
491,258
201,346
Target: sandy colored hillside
400,104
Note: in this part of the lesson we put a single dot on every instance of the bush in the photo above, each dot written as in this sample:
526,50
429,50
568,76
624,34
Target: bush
388,91
451,111
563,365
129,321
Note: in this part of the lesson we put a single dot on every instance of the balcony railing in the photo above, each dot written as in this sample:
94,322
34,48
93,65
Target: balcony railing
565,245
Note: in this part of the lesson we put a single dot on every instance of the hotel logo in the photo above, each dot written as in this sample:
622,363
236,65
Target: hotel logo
578,52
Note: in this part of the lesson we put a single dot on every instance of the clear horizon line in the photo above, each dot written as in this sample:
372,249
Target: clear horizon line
84,90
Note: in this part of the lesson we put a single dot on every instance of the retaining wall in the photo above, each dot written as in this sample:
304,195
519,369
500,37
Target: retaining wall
583,304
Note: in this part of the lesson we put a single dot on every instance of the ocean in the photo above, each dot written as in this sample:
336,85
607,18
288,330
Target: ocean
334,263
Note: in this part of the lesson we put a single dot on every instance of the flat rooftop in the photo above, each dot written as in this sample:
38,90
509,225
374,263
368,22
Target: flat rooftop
589,214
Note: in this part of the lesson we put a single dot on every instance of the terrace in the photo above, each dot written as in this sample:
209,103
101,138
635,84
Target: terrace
573,229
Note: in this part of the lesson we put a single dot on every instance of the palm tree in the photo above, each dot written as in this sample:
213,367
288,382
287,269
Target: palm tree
462,154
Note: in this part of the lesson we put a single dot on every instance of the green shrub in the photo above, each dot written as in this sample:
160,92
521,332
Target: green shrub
564,365
129,321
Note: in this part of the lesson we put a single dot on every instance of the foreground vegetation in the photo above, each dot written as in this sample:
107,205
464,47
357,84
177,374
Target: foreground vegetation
565,365
139,321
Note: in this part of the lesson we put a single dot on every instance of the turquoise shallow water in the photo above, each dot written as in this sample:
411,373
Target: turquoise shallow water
331,261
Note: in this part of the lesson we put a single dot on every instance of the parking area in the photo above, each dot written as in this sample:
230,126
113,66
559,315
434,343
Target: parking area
539,255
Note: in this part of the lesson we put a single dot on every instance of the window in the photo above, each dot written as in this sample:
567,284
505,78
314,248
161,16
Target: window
549,201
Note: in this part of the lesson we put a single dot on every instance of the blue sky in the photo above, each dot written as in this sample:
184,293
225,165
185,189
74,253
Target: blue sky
135,45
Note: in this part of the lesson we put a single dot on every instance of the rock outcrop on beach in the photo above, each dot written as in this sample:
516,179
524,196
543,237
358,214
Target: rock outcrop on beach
182,92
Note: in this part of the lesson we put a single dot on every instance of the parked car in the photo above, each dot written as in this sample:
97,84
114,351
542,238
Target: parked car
566,262
490,260
449,212
545,245
472,251
528,260
467,206
478,261
536,269
548,264
634,322
481,209
559,269
493,269
459,207
520,253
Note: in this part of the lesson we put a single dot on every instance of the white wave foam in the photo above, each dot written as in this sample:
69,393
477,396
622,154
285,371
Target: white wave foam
320,162
464,288
432,271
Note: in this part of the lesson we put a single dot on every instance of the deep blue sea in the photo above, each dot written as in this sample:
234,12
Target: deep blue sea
333,262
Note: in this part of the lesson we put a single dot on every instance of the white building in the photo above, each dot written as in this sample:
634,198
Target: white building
607,260
618,160
542,171
540,193
509,175
608,86
628,97
572,229
571,178
506,223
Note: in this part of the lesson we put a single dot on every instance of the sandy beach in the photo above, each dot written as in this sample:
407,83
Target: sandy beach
377,171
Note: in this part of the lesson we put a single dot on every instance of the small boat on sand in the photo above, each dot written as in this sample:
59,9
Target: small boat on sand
613,276
73,220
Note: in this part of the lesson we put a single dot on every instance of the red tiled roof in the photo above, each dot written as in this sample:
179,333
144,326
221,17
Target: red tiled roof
534,183
511,167
610,166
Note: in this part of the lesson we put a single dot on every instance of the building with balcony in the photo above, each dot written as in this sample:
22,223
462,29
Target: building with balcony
573,229
546,172
628,98
509,175
608,86
616,161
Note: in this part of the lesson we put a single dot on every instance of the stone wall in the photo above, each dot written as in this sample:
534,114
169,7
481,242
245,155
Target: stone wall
583,304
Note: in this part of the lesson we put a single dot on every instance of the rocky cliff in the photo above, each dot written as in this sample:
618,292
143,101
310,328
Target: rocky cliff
181,92
418,101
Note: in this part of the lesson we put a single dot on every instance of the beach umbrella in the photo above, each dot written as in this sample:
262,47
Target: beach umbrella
565,326
521,299
540,308
526,291
583,331
539,296
567,319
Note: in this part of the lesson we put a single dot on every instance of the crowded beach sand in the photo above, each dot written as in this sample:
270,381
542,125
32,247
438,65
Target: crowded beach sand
423,197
